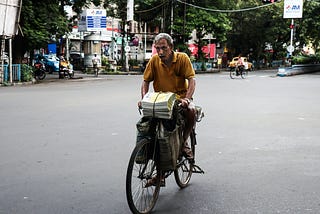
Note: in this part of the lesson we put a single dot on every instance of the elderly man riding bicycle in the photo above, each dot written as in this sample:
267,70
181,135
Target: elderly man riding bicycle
172,71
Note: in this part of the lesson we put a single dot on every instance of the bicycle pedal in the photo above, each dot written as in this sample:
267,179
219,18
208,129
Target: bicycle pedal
197,169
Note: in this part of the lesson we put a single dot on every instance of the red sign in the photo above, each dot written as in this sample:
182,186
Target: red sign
211,48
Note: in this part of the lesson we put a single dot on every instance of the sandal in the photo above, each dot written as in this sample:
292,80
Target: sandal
153,182
187,153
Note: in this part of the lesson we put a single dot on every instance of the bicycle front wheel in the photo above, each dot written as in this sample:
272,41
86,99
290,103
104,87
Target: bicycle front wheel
244,74
183,171
142,168
233,73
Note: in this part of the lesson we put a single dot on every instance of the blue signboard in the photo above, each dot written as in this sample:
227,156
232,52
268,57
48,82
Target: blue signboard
52,48
97,22
93,20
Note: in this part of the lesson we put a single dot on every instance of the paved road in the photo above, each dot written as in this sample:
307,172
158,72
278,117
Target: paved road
64,146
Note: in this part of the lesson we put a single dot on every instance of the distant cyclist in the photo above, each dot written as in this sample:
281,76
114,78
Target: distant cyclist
239,65
95,62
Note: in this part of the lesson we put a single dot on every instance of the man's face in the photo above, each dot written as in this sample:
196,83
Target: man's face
164,50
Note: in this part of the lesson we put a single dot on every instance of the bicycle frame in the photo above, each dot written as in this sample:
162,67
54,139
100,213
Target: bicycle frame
238,71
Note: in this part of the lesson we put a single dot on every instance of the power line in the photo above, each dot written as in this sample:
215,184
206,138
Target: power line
226,11
156,7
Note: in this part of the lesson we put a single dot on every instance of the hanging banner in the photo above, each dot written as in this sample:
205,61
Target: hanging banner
293,9
209,49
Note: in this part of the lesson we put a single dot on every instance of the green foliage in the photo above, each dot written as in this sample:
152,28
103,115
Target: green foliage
205,22
252,30
133,62
182,48
307,29
26,73
41,22
104,61
306,59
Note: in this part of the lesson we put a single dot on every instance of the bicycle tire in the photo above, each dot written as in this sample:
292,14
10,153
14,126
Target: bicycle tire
141,168
183,172
233,73
42,75
244,74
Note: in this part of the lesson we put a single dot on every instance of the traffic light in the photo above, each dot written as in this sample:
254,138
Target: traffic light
269,1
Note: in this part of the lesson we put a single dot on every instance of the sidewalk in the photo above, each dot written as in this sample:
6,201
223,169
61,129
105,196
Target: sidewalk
78,76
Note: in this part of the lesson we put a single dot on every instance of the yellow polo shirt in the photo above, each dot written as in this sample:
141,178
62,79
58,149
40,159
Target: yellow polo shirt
173,79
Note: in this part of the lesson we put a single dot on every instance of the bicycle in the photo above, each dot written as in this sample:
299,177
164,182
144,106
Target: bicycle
238,71
146,162
96,70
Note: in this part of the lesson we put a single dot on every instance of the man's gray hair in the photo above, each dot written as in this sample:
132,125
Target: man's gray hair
163,36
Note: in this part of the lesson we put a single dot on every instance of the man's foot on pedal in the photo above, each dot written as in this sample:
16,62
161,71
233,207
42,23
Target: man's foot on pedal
187,153
153,182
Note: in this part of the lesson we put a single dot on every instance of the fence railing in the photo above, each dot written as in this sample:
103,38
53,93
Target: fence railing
16,73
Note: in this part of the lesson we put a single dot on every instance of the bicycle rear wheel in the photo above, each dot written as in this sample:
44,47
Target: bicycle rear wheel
141,168
183,171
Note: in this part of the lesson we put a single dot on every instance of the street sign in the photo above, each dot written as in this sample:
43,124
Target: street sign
127,48
293,9
290,48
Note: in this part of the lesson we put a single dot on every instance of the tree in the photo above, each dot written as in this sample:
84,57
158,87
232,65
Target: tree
307,29
198,16
254,30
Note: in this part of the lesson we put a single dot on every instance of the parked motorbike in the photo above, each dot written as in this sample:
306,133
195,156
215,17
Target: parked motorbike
39,70
66,69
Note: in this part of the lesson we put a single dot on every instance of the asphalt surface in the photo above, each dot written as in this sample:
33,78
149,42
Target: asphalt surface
65,145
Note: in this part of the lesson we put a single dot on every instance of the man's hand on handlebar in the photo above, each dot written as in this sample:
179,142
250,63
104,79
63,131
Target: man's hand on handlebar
139,104
185,102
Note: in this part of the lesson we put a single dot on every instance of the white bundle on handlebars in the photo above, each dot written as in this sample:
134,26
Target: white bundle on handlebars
158,104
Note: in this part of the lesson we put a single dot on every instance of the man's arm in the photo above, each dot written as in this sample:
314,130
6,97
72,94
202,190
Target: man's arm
191,88
144,88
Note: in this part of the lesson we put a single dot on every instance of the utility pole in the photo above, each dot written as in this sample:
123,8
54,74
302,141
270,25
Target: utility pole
130,19
184,22
291,48
171,18
292,9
